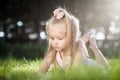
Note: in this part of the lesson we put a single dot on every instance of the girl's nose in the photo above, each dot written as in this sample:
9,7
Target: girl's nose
55,42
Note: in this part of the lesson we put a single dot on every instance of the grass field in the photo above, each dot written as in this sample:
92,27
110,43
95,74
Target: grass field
11,69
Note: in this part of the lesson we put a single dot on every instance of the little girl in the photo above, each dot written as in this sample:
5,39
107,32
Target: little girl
66,49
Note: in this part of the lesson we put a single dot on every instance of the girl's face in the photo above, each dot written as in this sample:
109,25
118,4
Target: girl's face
58,36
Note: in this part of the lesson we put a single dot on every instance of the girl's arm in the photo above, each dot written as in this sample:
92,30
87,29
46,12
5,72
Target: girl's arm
47,61
98,54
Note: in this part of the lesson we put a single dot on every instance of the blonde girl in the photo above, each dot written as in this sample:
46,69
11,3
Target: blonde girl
66,49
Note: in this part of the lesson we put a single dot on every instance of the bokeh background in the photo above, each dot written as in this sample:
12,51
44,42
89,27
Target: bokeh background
22,25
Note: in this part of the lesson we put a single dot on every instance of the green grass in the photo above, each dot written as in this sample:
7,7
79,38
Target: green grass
11,69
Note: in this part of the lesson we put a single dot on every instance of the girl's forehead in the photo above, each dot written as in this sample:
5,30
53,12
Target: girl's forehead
58,27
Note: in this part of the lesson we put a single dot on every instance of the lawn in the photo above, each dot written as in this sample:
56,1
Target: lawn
12,69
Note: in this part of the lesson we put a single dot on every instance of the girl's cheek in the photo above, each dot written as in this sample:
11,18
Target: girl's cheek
50,42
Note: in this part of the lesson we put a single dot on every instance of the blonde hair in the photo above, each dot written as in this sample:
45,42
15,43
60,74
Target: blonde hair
72,28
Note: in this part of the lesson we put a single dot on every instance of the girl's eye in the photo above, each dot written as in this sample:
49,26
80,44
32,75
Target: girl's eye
60,38
51,38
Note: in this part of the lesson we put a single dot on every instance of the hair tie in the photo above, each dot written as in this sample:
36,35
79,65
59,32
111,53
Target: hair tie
58,13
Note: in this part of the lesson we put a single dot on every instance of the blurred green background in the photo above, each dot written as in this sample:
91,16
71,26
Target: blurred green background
22,22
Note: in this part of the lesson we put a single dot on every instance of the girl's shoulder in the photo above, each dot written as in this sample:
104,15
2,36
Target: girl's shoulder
81,46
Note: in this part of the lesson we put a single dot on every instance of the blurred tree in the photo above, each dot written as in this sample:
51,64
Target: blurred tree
96,16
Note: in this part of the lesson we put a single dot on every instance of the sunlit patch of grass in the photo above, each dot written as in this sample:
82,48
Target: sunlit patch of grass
12,69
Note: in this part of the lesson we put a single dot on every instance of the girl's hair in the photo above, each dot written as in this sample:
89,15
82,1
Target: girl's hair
72,28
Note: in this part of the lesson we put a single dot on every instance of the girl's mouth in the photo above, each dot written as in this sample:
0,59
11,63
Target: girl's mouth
57,47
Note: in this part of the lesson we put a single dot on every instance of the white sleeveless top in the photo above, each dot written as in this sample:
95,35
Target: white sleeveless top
66,63
63,63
